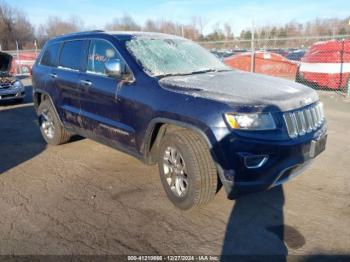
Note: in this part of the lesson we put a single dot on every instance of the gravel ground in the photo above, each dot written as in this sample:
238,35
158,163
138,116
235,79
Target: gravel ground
86,198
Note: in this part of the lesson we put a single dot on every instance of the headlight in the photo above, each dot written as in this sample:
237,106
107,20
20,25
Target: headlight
17,84
258,121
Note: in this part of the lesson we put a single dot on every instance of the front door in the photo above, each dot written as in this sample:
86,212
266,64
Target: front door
98,98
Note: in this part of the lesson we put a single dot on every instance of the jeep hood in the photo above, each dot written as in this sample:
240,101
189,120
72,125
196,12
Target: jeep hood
238,88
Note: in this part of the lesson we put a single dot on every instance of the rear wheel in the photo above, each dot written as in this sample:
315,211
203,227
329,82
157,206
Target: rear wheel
51,129
187,171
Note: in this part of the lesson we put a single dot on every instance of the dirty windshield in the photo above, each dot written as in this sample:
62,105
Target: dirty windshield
177,56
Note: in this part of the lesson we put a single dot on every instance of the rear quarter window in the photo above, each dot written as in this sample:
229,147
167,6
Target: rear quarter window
50,56
72,54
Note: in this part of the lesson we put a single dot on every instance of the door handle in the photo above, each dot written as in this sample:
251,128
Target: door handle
53,75
86,82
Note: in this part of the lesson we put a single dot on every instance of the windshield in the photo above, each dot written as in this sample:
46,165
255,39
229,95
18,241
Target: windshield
176,56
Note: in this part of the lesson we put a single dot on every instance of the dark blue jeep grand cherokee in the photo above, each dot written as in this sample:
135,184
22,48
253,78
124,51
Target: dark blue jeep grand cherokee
167,101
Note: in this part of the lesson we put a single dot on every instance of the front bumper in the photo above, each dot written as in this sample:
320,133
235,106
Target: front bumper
12,93
286,160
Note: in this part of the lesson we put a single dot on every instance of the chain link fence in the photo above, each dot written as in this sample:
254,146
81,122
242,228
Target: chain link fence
22,61
322,63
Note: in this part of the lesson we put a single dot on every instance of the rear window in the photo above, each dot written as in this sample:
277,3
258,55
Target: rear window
72,54
50,56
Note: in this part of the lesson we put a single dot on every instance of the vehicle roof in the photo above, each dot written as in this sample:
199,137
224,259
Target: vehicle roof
121,35
141,34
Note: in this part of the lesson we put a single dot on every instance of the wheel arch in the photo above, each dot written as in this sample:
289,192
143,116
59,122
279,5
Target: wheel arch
40,95
158,127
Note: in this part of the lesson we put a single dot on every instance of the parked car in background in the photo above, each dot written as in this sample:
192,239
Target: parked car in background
203,123
11,88
326,65
22,62
296,55
224,53
221,53
282,52
265,63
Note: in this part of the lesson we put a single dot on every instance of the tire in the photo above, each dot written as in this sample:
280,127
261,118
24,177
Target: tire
197,166
51,129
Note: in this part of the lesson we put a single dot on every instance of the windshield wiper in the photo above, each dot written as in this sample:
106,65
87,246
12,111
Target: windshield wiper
194,72
171,74
209,70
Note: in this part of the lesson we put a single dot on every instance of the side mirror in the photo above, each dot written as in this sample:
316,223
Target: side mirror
114,68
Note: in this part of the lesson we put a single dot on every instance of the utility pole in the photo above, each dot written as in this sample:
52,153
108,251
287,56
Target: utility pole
18,59
252,60
36,48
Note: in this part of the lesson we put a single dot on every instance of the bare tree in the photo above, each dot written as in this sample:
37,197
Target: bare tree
6,24
201,23
23,31
228,31
151,26
14,26
55,26
168,27
125,23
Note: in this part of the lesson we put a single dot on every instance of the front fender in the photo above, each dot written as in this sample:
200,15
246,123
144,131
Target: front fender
206,134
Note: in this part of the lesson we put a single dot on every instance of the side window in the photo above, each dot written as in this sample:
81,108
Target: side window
50,56
100,52
72,54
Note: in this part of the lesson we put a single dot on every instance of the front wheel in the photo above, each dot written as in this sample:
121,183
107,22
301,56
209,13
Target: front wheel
187,171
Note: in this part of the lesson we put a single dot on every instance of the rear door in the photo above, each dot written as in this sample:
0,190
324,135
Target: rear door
66,74
43,78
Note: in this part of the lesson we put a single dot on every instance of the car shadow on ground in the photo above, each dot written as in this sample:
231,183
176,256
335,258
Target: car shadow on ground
256,227
256,231
20,136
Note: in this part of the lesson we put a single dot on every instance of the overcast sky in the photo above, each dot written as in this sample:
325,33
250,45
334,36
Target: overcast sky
239,14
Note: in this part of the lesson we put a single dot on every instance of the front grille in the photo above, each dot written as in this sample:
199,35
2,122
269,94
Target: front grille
304,121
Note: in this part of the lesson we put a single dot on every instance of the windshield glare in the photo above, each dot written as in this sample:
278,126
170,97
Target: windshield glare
172,56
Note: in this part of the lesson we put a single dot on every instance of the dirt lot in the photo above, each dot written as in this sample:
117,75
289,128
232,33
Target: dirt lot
85,198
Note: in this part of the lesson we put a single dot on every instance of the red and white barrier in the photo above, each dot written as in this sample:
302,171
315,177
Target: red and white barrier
327,64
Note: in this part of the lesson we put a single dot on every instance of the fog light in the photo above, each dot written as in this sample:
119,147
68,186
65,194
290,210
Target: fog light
255,161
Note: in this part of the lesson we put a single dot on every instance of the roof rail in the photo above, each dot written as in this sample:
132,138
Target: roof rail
91,31
83,32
